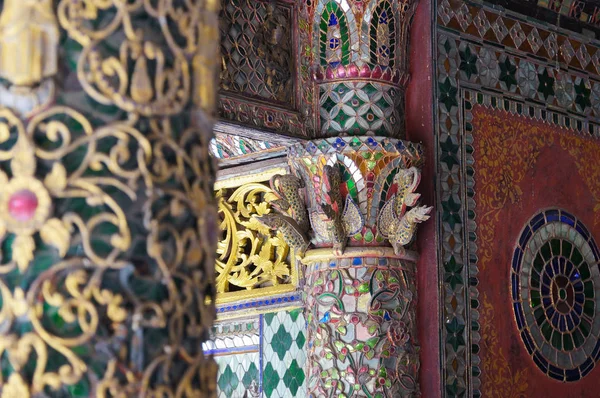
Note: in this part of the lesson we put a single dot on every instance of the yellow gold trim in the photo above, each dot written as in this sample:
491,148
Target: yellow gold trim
315,255
236,181
257,311
265,292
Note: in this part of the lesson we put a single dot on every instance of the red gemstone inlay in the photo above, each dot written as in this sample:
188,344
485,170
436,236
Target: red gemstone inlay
22,205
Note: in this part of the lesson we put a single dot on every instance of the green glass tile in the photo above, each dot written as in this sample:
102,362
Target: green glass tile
281,342
228,381
269,318
294,314
300,340
270,380
250,375
294,377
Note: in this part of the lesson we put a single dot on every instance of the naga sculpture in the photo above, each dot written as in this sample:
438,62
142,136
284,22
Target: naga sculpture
394,222
291,218
286,188
334,222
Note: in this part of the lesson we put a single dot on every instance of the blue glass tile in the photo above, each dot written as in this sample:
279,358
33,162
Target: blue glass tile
569,267
525,237
552,215
578,286
332,264
386,316
279,300
555,372
562,324
572,374
567,218
556,265
540,362
519,316
545,290
549,312
555,319
527,340
516,263
333,21
582,230
357,261
586,367
575,318
550,271
537,222
515,286
570,324
578,308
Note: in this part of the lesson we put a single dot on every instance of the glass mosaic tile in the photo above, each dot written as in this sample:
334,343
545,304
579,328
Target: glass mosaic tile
284,357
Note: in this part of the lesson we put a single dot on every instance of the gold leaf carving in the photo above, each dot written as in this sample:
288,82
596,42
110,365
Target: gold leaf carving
55,233
249,254
56,180
23,248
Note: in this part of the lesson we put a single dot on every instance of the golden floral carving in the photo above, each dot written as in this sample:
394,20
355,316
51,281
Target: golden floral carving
500,380
506,148
250,255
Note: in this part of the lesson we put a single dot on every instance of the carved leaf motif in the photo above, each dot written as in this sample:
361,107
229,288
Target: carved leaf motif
353,219
23,162
56,180
386,218
23,248
319,225
141,88
55,233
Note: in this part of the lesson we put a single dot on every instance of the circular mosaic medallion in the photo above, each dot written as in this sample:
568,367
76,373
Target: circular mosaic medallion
554,282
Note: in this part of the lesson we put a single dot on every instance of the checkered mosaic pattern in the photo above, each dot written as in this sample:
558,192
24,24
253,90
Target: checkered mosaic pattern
282,349
284,355
236,373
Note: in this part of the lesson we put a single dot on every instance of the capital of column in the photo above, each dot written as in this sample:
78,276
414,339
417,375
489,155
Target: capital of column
358,59
357,191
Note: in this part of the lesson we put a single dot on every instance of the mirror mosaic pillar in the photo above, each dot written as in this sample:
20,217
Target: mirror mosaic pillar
359,183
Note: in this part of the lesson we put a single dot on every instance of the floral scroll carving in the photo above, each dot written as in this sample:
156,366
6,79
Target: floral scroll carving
249,254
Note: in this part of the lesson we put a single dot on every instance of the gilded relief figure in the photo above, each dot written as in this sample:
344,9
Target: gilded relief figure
28,41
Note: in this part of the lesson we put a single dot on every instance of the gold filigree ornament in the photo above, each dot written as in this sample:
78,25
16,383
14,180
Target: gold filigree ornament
25,203
252,260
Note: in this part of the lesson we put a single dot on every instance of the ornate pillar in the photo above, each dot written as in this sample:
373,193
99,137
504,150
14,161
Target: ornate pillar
107,216
358,181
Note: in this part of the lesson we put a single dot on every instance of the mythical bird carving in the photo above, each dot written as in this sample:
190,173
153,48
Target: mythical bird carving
333,222
394,222
291,218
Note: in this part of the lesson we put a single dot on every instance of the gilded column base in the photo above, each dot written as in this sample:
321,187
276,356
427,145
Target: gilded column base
361,312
